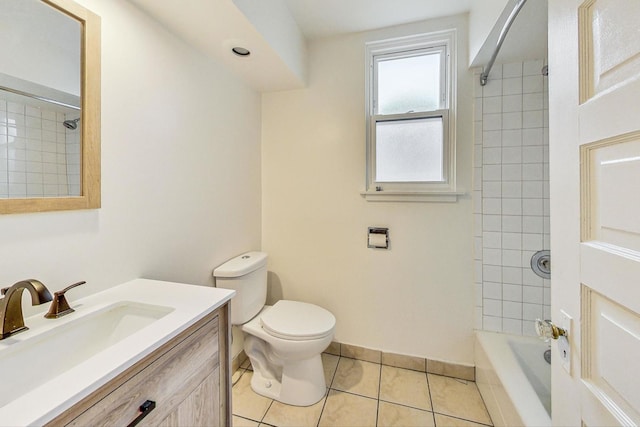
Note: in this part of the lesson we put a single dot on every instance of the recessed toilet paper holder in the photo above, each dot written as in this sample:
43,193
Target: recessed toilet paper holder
378,238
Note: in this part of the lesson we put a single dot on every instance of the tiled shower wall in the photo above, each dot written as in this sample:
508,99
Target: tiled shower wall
38,155
511,197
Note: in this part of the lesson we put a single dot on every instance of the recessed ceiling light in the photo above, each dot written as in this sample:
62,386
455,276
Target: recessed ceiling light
240,51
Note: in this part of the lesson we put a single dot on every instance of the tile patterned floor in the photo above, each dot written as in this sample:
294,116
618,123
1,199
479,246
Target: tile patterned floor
366,394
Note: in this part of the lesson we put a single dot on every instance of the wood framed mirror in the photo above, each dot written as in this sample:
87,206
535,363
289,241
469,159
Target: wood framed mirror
49,107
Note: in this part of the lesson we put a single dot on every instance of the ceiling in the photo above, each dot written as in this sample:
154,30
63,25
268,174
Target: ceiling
322,18
214,26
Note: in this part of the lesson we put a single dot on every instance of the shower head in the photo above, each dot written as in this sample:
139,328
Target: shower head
71,124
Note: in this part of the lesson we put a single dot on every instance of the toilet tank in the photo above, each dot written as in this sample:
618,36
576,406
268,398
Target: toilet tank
247,275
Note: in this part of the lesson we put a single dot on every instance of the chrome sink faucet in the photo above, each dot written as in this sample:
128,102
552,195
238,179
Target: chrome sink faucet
11,305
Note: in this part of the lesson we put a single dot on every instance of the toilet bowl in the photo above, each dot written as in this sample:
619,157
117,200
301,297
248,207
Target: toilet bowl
284,342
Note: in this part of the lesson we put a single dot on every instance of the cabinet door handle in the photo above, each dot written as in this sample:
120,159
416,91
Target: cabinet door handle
144,409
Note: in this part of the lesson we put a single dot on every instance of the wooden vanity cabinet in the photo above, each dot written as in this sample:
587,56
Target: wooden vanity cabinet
188,379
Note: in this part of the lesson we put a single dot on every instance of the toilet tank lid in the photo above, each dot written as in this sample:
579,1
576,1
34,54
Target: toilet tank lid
241,265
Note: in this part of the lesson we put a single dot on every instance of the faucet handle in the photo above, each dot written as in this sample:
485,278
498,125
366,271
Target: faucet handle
59,306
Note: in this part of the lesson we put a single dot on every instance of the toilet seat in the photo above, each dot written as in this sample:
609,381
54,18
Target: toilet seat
297,321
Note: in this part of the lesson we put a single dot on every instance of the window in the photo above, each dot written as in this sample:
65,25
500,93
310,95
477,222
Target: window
410,119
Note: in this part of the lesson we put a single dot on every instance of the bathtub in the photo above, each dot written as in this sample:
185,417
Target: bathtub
514,379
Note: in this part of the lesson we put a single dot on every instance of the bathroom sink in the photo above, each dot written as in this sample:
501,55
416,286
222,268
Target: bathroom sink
42,353
55,364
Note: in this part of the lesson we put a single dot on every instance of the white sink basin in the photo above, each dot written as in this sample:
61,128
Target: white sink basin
27,364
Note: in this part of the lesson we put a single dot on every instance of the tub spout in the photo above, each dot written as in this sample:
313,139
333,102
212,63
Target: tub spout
11,305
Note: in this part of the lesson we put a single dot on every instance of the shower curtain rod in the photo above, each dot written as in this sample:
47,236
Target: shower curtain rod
503,34
38,97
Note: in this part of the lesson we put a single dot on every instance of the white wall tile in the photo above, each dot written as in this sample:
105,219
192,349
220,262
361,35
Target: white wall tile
511,258
532,154
531,84
511,223
511,103
492,138
531,311
532,241
529,328
531,207
512,292
493,172
532,101
494,121
512,309
511,155
531,171
493,104
491,323
532,119
493,307
493,206
529,278
492,88
491,257
493,273
512,206
532,136
493,290
512,275
493,189
491,223
512,172
512,120
512,86
492,239
531,224
532,189
532,294
491,156
511,137
512,70
512,326
512,241
512,189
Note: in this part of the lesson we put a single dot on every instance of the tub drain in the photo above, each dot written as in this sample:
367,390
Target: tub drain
541,264
547,356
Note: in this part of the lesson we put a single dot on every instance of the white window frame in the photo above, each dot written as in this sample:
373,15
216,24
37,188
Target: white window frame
444,43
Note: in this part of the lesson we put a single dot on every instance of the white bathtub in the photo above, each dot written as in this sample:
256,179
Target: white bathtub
514,379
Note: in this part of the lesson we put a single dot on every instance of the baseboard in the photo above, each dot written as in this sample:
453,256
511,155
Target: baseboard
430,366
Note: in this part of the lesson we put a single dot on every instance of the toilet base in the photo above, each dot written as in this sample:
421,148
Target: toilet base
302,382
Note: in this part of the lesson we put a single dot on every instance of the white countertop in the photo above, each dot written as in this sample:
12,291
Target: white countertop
189,303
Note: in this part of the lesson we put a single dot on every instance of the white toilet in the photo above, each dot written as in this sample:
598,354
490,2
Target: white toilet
283,341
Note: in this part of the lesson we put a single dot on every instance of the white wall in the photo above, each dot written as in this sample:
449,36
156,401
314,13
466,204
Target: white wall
483,16
180,170
416,298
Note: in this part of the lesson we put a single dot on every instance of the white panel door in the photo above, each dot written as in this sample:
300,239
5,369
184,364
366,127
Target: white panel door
594,129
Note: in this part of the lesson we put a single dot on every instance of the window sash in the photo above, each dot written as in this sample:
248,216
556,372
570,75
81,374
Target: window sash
405,185
410,53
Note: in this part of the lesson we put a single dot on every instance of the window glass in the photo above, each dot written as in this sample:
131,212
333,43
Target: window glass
410,83
409,150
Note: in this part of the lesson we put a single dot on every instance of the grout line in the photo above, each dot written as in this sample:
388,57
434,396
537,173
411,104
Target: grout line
464,419
378,400
404,405
433,410
326,397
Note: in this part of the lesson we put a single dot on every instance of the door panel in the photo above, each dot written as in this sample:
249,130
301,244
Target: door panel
597,116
